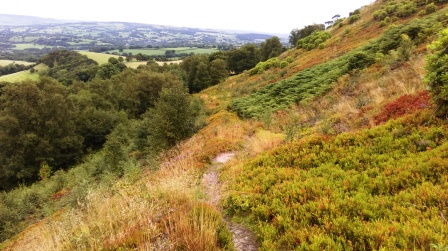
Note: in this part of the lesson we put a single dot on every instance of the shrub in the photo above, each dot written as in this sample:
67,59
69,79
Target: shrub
380,15
403,105
359,60
437,73
283,64
353,19
263,66
376,189
430,8
313,40
406,10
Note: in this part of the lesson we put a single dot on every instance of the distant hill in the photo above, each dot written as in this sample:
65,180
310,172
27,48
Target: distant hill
28,38
12,20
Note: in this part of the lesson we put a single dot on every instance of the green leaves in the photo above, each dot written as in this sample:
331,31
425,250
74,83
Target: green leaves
37,126
173,118
437,73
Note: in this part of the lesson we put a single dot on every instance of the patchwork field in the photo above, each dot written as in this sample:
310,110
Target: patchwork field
161,52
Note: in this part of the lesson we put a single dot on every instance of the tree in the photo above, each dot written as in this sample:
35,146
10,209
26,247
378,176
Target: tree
272,47
218,71
36,126
298,34
138,91
106,71
244,58
195,74
69,66
437,73
202,78
173,118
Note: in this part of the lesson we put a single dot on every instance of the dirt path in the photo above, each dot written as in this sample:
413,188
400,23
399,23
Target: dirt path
243,239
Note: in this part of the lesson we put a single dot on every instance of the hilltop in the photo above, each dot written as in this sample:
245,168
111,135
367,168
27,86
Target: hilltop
337,142
19,20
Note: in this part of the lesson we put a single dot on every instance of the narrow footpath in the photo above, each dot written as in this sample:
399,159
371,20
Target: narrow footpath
243,238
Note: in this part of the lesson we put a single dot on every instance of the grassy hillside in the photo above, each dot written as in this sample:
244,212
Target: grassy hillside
100,58
6,62
24,75
337,148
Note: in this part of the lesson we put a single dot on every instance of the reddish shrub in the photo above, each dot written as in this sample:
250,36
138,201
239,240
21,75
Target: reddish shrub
404,105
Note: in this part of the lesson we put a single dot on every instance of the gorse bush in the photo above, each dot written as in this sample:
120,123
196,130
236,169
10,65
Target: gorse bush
314,40
263,66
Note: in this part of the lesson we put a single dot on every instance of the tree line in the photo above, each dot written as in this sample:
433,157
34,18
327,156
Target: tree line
77,105
54,122
13,68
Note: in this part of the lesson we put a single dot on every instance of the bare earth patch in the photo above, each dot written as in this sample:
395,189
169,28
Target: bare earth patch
243,238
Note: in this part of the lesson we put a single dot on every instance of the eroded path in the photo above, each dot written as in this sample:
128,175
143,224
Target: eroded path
243,238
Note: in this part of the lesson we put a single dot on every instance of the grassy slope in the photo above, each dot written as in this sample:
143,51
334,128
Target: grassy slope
352,104
6,62
24,75
100,58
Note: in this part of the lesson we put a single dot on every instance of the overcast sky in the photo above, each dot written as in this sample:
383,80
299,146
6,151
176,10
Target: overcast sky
262,16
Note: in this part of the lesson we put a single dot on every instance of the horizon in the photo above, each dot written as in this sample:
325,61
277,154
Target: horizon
244,16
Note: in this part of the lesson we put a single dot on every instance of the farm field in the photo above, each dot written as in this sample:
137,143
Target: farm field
161,52
4,62
23,75
100,58
29,46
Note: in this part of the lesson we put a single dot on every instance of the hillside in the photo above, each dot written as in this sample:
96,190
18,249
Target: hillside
18,20
336,147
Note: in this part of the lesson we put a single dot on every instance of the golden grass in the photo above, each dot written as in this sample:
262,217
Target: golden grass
24,75
100,58
262,141
164,209
4,62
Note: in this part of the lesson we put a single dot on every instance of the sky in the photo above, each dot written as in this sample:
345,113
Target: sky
273,17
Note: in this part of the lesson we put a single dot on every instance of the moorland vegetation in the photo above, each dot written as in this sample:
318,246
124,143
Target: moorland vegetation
340,143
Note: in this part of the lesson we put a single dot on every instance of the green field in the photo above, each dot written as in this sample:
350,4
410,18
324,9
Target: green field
23,75
134,64
29,46
100,58
7,62
161,52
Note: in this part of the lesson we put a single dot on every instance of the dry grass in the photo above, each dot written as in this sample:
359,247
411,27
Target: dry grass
262,141
164,210
4,62
355,99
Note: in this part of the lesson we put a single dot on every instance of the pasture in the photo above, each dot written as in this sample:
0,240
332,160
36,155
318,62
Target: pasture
161,51
100,58
29,46
4,62
24,75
